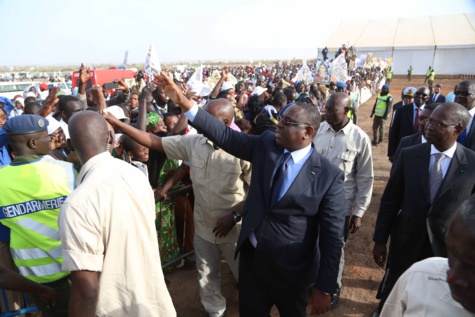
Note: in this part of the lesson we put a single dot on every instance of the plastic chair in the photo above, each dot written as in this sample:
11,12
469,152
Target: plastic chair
27,309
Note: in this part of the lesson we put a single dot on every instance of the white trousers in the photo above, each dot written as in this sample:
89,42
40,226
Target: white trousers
208,262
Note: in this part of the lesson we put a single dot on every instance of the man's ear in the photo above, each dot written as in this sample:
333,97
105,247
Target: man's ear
32,143
459,129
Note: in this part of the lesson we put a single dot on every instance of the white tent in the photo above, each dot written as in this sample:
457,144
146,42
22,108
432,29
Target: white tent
445,42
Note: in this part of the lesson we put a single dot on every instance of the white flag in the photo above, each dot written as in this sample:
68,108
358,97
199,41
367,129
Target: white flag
195,83
152,63
339,69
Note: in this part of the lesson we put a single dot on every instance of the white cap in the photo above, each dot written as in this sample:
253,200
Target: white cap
258,91
53,125
226,85
117,112
407,89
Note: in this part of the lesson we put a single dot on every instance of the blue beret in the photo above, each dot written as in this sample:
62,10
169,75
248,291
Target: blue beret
24,124
386,86
341,84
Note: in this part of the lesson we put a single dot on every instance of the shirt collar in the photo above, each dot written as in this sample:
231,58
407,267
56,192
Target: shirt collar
415,107
25,159
449,152
472,112
90,164
298,155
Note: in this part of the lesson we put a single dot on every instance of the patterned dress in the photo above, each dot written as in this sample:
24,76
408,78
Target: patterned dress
165,221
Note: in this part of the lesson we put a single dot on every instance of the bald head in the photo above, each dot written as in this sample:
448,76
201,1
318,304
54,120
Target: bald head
222,109
89,134
341,99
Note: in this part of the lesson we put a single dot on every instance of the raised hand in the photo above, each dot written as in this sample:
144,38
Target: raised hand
84,74
49,103
146,95
123,86
172,91
225,73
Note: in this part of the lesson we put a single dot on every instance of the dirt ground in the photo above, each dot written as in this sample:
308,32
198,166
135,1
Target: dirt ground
361,276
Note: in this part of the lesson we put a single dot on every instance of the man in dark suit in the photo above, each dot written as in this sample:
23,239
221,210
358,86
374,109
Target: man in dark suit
405,120
293,223
436,96
416,138
465,95
427,185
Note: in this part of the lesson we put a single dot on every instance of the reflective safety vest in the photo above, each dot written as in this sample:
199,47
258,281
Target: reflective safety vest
31,196
389,74
381,104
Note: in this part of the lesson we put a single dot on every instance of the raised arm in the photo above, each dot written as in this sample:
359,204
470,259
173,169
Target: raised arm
145,96
84,75
146,139
224,76
49,103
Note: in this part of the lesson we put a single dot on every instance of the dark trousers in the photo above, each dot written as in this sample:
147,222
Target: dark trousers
258,291
394,270
378,126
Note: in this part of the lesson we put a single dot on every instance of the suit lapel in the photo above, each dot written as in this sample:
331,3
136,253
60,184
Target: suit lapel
274,156
456,169
471,133
422,161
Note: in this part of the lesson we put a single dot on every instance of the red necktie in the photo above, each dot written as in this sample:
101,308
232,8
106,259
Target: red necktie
416,121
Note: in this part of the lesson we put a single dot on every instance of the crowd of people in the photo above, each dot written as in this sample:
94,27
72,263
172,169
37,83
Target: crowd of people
105,190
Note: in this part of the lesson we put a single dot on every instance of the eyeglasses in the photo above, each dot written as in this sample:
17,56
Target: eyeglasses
287,122
438,124
463,93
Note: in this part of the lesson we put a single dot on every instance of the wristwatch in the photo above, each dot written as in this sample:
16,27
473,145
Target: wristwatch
237,217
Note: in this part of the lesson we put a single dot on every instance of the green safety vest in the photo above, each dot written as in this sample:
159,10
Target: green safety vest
389,74
381,104
431,76
428,72
31,196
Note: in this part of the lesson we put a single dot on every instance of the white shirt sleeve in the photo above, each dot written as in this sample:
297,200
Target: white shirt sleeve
191,114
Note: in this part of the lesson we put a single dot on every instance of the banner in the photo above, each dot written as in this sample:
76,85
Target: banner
152,63
339,69
304,74
323,74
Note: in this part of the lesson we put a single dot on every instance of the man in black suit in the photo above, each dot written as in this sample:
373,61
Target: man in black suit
416,138
465,95
293,222
427,185
436,96
405,120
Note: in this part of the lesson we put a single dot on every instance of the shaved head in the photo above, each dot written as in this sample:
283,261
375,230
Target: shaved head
222,109
89,134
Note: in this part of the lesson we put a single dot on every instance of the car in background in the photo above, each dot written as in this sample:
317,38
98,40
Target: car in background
65,88
10,90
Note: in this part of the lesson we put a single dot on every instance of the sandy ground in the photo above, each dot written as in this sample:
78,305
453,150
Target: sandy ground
361,277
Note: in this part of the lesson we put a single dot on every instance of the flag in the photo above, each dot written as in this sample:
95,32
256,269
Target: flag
304,74
152,63
195,83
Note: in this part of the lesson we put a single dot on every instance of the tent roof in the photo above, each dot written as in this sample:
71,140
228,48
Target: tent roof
427,31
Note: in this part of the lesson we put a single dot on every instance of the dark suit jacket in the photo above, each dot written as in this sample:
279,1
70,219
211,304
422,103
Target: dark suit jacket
403,125
301,235
440,98
405,212
470,141
407,141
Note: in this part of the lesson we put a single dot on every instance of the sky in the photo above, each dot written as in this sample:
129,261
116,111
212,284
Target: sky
68,32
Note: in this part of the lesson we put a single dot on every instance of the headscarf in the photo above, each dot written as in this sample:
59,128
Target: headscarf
152,119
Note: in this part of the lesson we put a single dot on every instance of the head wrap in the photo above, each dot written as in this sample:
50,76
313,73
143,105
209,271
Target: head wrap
152,119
